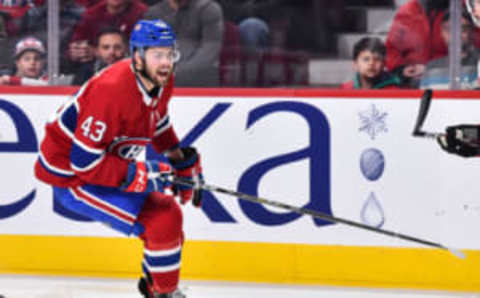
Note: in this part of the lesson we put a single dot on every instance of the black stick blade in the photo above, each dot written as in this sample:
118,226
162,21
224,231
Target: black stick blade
422,112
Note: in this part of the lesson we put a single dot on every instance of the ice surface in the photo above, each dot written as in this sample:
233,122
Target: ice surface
19,286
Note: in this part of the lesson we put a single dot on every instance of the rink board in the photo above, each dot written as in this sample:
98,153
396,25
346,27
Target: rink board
349,154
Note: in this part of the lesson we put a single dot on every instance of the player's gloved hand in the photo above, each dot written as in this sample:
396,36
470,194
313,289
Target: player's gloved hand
189,168
463,140
139,180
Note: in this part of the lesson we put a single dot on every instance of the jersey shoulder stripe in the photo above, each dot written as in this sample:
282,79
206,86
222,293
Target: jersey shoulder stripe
68,119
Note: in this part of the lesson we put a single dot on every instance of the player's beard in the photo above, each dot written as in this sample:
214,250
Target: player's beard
159,77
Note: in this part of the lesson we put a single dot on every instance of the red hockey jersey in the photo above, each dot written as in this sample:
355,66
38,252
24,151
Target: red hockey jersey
110,120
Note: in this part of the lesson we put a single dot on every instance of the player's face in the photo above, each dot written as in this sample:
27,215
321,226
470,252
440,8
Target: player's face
369,64
159,64
110,48
30,65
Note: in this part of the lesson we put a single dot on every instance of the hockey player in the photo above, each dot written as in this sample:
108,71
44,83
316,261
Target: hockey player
88,155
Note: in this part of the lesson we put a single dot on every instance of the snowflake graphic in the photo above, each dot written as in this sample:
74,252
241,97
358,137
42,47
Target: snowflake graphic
373,121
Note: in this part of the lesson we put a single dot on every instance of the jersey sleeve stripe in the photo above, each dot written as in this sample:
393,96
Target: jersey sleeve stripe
83,160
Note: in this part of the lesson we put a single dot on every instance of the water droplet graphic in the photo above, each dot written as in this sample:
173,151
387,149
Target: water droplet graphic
372,212
372,164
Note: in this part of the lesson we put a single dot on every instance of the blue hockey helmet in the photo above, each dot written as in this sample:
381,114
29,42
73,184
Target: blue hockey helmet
151,33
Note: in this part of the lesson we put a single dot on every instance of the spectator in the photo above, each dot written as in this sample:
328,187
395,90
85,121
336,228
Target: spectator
111,47
237,11
108,13
254,34
35,23
252,17
29,64
267,60
313,22
255,42
11,16
199,26
369,64
473,8
436,75
414,38
276,37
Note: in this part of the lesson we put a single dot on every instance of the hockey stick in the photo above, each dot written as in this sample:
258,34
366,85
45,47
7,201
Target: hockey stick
313,213
422,115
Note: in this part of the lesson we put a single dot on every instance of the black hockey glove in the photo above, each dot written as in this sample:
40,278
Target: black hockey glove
463,140
190,169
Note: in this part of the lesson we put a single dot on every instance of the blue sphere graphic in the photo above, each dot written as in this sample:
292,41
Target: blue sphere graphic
372,164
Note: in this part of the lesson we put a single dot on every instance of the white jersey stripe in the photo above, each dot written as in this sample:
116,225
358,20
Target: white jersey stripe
96,203
161,269
162,253
53,168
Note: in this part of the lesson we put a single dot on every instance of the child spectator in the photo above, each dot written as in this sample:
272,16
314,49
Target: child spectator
29,64
369,64
35,24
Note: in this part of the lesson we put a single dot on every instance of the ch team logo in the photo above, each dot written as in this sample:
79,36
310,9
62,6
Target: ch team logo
128,148
317,153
